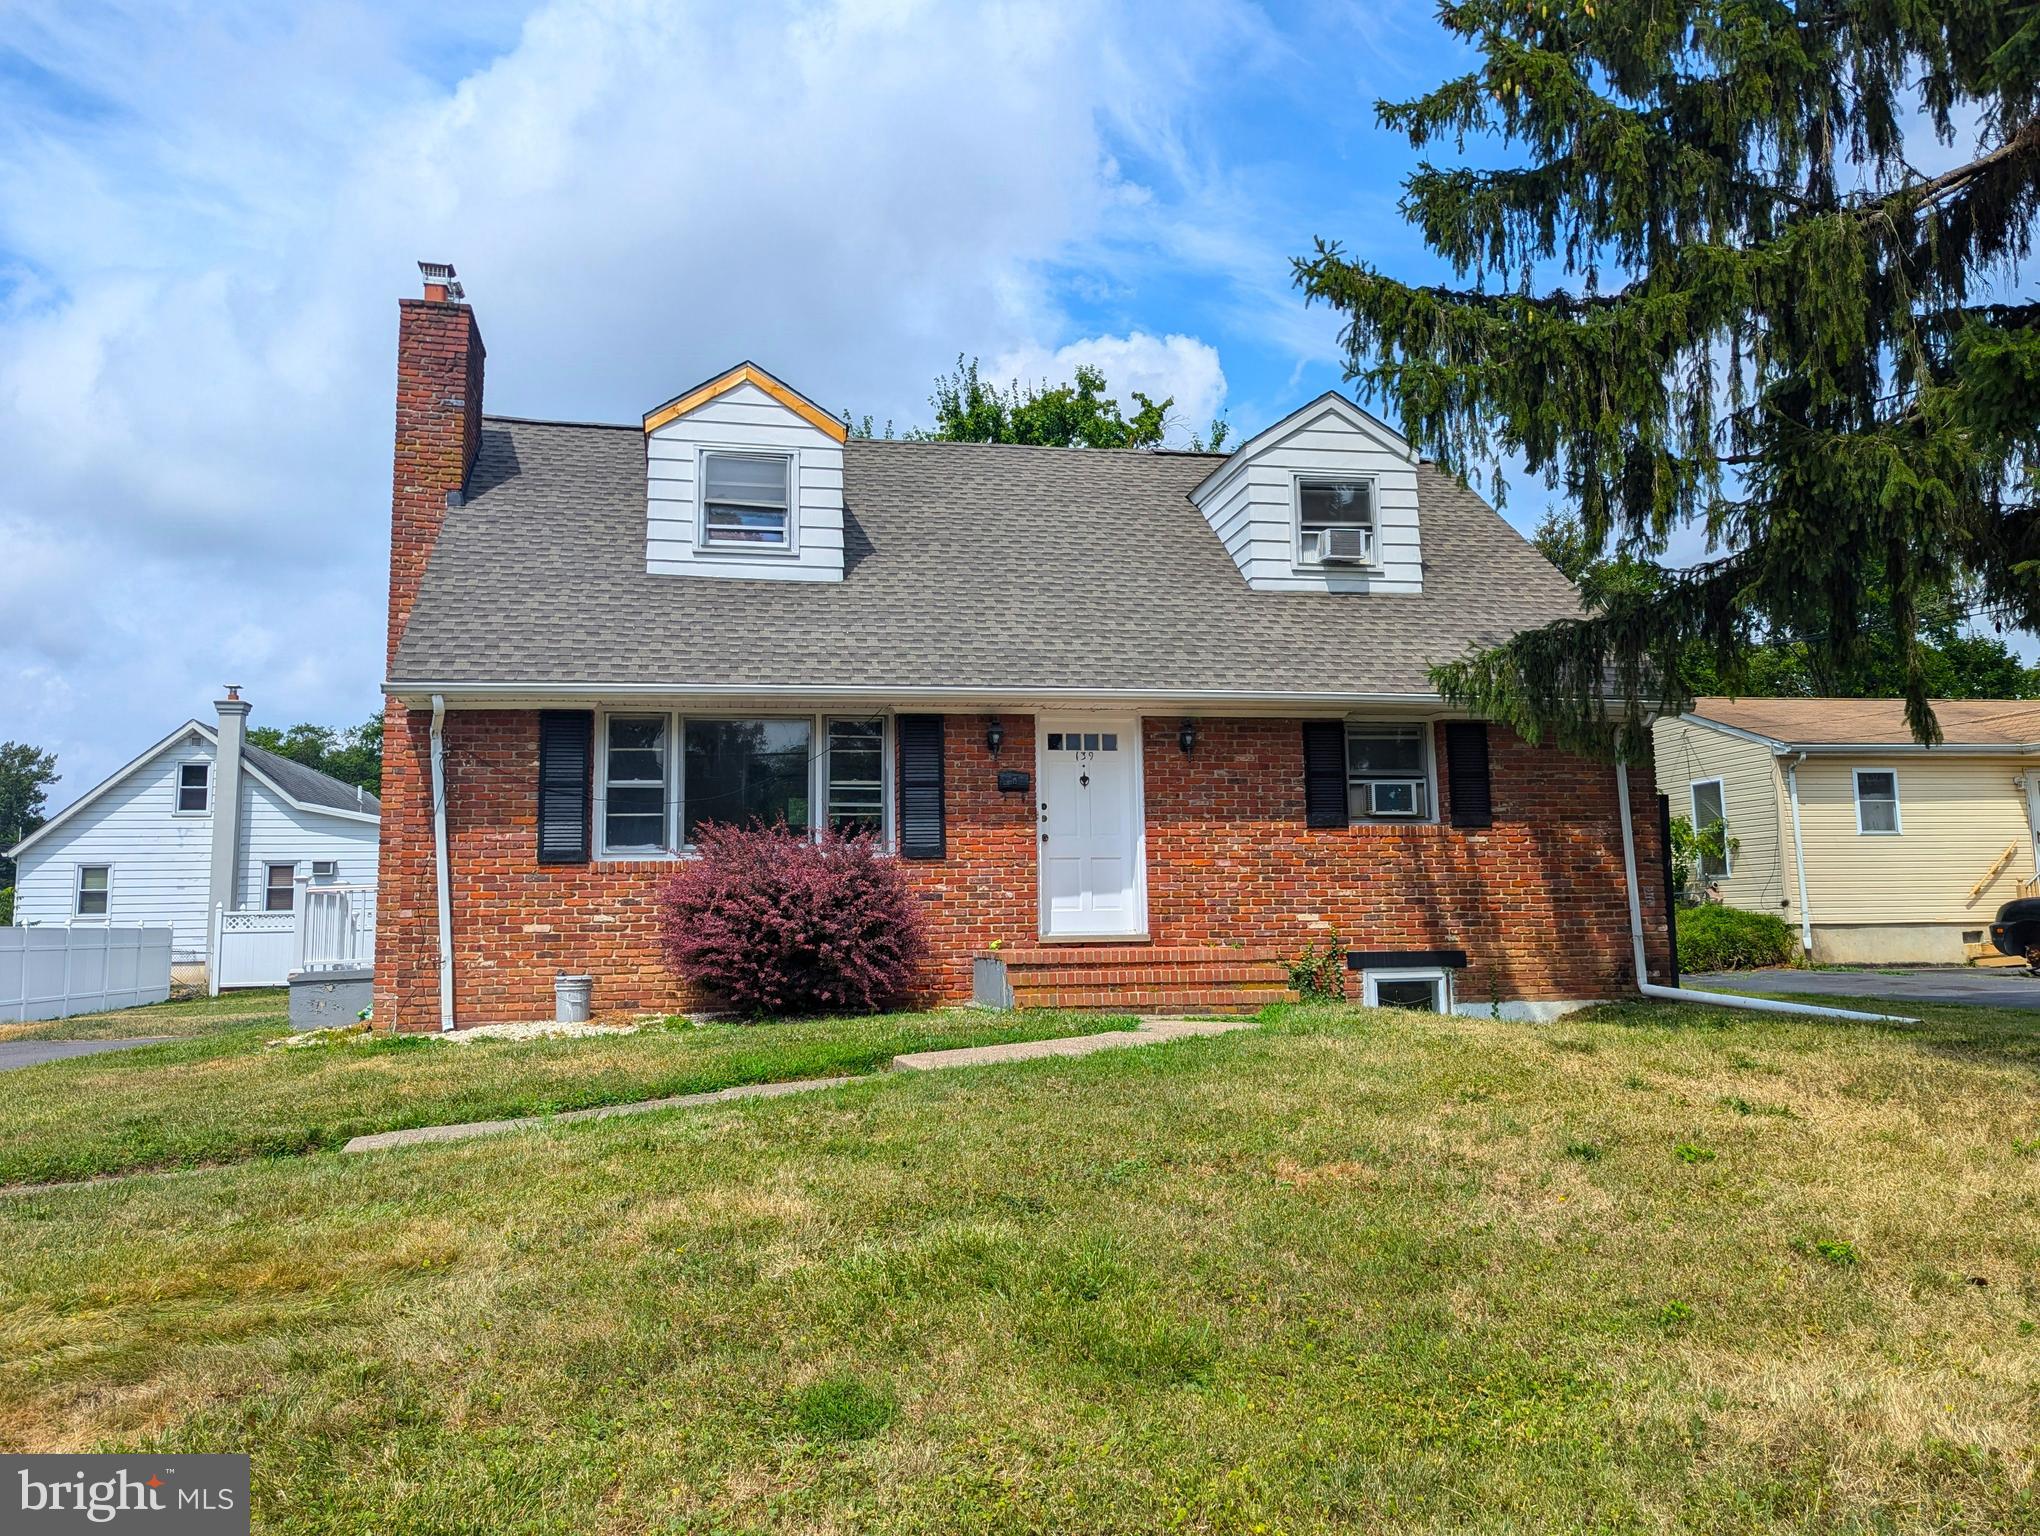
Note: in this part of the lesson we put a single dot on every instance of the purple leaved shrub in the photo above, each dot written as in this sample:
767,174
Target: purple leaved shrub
771,921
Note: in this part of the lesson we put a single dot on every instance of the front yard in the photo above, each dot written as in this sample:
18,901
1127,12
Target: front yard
1658,1268
226,1093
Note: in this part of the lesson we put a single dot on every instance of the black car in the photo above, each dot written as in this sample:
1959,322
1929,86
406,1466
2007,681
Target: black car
2016,928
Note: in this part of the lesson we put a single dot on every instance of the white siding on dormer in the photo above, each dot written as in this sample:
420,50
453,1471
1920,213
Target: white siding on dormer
1251,502
746,418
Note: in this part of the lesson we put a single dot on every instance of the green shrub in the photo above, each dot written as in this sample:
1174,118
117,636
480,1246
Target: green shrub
1717,938
6,905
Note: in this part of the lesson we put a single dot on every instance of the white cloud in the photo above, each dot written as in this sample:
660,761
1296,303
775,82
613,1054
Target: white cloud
205,222
1181,368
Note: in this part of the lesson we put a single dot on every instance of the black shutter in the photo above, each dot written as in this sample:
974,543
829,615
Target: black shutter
1324,773
1466,773
921,829
566,741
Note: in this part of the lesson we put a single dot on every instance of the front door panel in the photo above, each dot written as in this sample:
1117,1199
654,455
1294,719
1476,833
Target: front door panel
1090,828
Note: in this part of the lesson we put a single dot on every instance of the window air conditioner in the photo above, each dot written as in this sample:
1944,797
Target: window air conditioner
1345,546
325,869
1395,797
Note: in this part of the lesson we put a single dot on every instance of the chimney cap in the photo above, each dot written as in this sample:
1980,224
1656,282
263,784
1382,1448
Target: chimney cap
233,690
441,281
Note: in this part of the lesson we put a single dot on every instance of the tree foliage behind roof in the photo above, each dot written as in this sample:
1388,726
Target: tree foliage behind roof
352,755
1755,317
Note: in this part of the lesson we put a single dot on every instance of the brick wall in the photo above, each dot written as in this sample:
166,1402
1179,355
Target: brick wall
1536,900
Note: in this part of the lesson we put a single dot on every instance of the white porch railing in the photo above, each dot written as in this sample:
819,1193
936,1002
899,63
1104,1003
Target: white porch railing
329,928
335,927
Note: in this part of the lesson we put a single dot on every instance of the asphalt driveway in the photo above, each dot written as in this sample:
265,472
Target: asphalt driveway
1928,984
32,1053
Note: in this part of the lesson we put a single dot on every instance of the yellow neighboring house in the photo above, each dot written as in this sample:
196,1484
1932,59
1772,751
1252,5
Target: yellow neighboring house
1878,850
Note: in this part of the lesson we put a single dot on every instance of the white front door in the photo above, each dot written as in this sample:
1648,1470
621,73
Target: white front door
1092,884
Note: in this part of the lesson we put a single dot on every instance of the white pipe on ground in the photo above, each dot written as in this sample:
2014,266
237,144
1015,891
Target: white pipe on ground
1650,988
443,877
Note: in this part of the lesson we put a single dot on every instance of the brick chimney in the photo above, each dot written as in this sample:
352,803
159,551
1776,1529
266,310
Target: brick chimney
439,427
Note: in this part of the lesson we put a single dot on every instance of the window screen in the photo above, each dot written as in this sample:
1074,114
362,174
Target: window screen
280,893
93,888
1876,802
192,779
1322,504
857,775
745,500
634,785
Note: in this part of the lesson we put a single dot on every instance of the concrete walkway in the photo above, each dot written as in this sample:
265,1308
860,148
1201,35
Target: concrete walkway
1148,1032
33,1053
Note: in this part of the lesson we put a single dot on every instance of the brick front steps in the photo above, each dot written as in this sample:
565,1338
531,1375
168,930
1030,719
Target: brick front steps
1144,978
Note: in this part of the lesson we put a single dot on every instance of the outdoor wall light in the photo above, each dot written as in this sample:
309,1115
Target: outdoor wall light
1186,738
995,737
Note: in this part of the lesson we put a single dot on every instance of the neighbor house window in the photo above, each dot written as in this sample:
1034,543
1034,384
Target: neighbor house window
1326,505
279,893
95,886
746,500
744,771
1710,809
1427,991
856,776
1388,771
1877,801
634,785
194,782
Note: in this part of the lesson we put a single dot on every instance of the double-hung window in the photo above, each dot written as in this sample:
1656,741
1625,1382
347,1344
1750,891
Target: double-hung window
1710,809
1335,521
663,778
194,782
279,891
634,785
95,889
1388,771
1877,802
856,776
746,500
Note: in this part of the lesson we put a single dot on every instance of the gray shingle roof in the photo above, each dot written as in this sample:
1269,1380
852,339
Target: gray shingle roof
308,784
967,566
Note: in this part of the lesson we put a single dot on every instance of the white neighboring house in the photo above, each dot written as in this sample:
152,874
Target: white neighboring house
187,828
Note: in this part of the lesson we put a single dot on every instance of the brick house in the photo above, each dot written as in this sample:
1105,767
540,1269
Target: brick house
1141,726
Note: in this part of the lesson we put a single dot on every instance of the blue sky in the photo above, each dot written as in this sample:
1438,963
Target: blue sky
208,211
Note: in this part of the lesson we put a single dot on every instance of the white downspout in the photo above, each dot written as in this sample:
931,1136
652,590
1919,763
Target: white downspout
1799,856
443,877
1650,988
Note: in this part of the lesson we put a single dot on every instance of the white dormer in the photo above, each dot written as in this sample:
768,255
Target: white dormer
1323,501
744,478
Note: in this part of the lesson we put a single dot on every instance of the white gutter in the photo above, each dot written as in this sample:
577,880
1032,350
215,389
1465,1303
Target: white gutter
1650,988
1799,854
443,877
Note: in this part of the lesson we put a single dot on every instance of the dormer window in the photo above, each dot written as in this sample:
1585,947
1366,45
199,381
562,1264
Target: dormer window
1335,521
747,500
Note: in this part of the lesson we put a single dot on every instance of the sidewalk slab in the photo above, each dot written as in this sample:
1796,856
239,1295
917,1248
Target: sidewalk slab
1149,1032
417,1135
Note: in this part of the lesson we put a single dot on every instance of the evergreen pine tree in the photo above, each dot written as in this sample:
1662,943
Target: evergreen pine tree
1715,291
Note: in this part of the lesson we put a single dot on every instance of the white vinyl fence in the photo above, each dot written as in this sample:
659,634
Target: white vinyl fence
54,972
330,928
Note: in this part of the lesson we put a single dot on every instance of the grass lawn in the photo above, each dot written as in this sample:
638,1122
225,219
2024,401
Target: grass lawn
1657,1268
179,1020
225,1093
